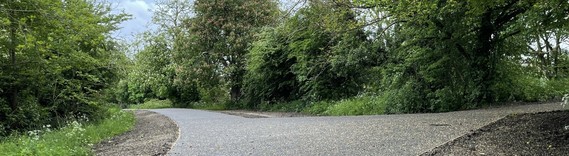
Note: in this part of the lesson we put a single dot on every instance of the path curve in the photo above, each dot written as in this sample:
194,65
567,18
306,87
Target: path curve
212,133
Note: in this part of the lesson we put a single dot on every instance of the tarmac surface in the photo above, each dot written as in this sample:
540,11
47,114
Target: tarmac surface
214,133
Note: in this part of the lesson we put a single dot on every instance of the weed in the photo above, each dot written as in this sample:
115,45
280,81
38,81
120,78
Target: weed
76,138
153,104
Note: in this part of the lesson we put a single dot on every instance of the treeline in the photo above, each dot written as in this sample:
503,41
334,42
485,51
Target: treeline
352,57
57,60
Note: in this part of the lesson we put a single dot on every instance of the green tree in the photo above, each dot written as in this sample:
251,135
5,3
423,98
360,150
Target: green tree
451,53
57,59
220,34
318,54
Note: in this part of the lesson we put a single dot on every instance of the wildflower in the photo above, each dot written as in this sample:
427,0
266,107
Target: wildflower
34,134
565,100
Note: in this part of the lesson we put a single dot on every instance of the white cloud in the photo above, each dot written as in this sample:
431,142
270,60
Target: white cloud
141,17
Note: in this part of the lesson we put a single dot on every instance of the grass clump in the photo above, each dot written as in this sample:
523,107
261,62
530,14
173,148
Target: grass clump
360,105
208,106
153,104
76,138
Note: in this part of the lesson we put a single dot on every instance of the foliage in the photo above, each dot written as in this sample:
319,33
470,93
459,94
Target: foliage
57,60
209,106
352,57
361,105
220,34
76,138
269,76
152,104
451,52
303,59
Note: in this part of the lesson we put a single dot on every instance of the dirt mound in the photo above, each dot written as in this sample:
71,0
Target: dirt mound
544,133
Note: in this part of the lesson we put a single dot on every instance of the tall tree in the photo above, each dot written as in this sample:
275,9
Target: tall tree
222,31
56,59
318,54
450,52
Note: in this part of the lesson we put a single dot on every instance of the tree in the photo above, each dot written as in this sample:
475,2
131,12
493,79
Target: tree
550,29
222,31
315,55
450,52
58,60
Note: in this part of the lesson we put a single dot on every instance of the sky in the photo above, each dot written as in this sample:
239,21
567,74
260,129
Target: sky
141,11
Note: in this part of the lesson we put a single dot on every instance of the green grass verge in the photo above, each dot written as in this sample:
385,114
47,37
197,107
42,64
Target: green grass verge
209,106
74,139
153,104
360,105
363,105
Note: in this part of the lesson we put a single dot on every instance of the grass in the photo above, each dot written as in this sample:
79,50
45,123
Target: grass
360,105
153,104
158,104
209,106
76,138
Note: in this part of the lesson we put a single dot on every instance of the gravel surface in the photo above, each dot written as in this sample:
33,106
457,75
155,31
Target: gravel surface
520,134
212,133
153,134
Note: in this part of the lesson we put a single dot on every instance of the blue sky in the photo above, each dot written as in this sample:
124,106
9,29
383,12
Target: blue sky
141,11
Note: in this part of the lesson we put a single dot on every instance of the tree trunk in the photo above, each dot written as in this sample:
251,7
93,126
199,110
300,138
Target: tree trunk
13,96
235,93
556,53
483,58
236,82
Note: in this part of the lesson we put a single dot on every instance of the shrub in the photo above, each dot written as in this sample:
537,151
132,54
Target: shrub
153,104
76,138
361,105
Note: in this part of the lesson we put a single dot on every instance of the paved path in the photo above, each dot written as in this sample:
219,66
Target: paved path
211,133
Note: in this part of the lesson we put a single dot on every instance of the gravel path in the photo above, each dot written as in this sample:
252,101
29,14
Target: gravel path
153,134
212,133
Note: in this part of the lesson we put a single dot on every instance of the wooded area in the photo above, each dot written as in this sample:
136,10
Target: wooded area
317,56
57,62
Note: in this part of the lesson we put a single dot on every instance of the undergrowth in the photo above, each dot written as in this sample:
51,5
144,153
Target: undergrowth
76,138
152,104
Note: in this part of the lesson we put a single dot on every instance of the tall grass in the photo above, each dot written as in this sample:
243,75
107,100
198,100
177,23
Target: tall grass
76,138
208,106
360,105
153,104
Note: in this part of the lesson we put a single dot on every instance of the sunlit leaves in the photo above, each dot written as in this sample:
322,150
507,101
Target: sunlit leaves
59,59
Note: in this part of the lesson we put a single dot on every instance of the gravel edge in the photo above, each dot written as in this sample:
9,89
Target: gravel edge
153,134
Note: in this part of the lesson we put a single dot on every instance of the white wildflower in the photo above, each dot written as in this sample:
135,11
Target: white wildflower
34,134
565,100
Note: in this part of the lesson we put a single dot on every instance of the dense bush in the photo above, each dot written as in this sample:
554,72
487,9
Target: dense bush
57,60
300,60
